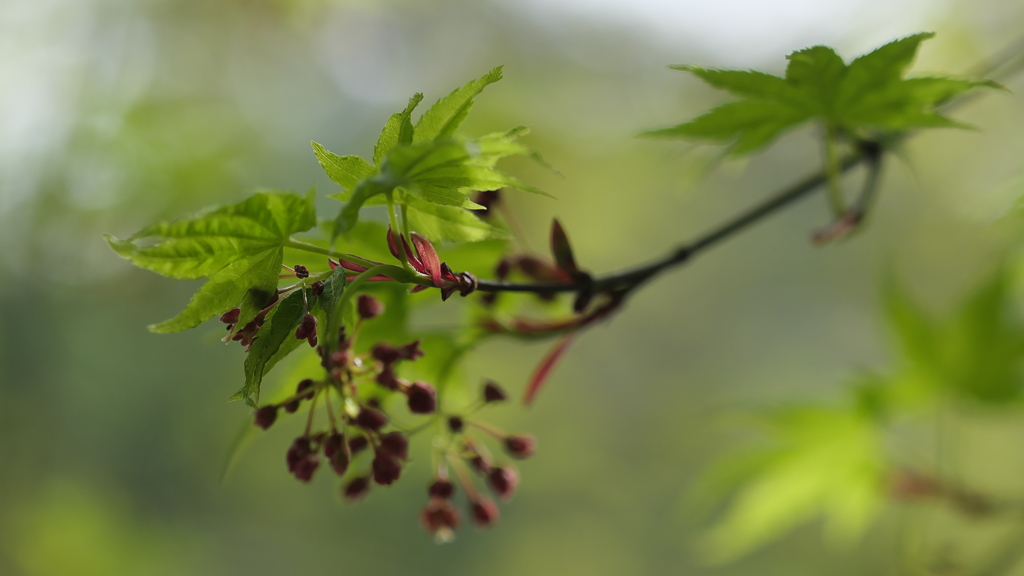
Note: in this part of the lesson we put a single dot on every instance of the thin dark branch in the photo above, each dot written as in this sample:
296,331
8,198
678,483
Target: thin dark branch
1007,64
630,279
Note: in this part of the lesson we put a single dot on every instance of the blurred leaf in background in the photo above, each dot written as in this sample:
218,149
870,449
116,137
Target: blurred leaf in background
975,352
818,461
836,462
867,96
116,113
72,529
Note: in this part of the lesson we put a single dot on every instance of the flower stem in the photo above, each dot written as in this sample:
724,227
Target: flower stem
833,172
299,245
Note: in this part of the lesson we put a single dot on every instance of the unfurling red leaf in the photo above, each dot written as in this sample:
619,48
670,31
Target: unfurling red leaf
543,370
562,250
428,256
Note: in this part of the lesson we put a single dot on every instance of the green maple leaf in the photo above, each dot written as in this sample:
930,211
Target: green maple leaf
239,247
975,353
817,461
867,98
448,223
827,462
428,169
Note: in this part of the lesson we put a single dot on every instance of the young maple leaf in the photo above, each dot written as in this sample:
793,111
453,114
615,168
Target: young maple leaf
428,169
869,97
239,247
817,462
974,352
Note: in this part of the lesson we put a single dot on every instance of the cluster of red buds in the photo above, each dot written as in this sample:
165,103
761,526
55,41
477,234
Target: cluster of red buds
246,335
463,456
354,424
353,393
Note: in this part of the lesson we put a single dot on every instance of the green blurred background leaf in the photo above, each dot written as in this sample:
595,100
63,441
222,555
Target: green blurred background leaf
116,114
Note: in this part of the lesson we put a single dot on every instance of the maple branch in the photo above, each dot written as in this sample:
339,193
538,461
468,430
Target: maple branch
1009,63
628,280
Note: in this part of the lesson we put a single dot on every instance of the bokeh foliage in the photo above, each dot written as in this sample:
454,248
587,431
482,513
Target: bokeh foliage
114,439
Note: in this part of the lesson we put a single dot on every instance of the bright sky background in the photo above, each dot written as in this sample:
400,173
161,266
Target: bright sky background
43,42
743,29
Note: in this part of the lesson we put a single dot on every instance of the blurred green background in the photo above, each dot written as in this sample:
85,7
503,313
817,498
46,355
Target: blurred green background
115,113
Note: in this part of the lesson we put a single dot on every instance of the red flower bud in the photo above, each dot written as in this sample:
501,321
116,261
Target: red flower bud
356,489
503,269
265,416
369,307
371,419
520,446
485,512
439,517
317,288
503,481
410,351
422,398
307,327
340,462
387,379
338,359
385,353
231,316
455,424
488,199
303,387
441,489
299,450
386,469
305,468
493,392
333,444
395,444
301,271
357,444
480,464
